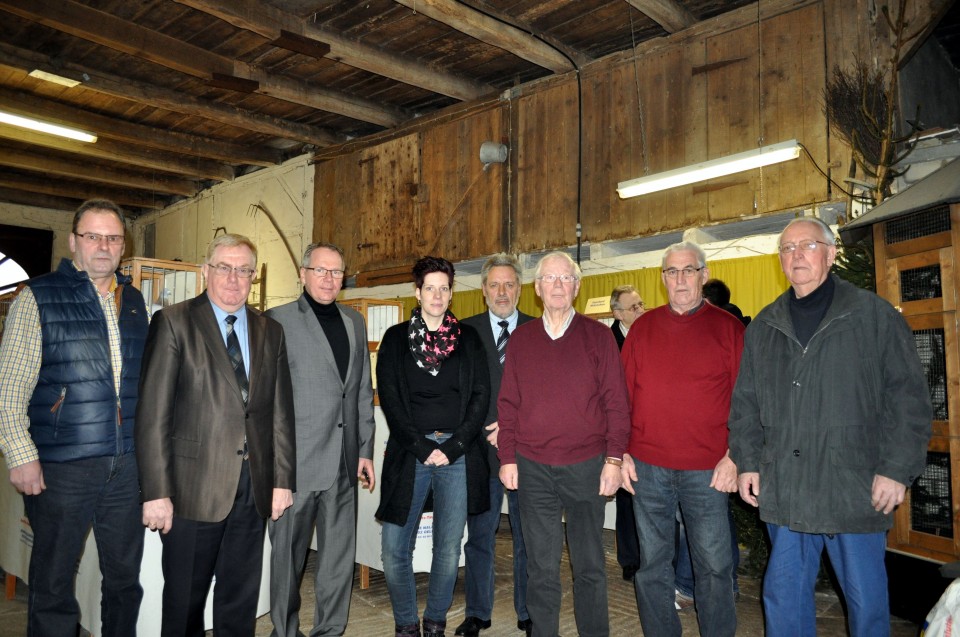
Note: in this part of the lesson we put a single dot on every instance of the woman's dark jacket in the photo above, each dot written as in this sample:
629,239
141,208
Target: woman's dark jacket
407,444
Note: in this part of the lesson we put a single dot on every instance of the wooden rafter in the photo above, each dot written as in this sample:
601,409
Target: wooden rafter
108,30
167,99
80,191
669,14
493,32
270,22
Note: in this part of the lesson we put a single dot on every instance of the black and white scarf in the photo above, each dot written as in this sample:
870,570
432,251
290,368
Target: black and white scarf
430,349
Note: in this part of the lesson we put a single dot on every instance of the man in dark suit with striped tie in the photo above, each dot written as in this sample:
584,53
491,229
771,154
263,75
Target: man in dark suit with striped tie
500,277
215,444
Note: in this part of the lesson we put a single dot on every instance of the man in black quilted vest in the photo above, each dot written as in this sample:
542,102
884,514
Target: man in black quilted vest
69,371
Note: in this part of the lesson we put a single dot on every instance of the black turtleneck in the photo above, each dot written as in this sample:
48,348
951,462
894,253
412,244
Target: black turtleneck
335,331
808,312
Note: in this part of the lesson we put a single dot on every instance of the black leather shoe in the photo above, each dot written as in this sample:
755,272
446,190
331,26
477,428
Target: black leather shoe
433,629
413,630
472,626
526,625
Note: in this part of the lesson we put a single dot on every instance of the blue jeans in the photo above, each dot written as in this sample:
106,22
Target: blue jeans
857,560
102,492
480,552
449,486
684,567
658,493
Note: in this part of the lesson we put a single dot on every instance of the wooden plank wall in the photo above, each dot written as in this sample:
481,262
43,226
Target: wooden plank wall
726,85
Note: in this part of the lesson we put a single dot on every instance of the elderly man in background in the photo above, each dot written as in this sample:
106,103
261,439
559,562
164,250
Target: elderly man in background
627,307
829,425
69,371
500,281
681,364
333,404
564,421
215,444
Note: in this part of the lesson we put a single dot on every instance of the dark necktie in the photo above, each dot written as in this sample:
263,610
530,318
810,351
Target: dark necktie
502,340
236,358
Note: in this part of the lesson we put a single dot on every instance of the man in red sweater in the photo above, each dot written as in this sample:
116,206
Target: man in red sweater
681,362
564,422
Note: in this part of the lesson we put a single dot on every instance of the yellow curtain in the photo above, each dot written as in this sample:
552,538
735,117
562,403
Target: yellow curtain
754,283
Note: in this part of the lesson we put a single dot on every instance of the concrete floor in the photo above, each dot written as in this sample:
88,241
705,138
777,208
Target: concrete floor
370,613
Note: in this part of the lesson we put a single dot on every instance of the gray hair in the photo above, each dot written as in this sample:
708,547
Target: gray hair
563,256
685,246
500,259
619,291
821,225
231,241
305,262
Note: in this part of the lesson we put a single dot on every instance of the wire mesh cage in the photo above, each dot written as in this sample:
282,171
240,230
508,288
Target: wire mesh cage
930,498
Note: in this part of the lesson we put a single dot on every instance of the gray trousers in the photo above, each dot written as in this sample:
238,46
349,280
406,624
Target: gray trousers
334,512
546,492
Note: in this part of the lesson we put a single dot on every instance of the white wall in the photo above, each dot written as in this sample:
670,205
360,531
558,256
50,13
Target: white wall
184,230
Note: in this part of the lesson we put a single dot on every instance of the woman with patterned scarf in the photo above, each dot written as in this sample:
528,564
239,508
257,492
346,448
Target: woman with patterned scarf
434,385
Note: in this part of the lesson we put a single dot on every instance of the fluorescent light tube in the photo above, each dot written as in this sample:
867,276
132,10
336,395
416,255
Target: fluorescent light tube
711,169
45,127
53,77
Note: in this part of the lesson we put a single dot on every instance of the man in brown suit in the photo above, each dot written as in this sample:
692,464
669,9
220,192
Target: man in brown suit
216,445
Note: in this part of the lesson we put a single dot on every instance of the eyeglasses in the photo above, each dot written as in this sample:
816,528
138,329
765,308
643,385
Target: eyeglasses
223,269
805,246
687,272
553,278
636,307
94,238
322,272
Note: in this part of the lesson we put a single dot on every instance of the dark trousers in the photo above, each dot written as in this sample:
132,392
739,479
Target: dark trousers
628,545
546,493
194,552
99,492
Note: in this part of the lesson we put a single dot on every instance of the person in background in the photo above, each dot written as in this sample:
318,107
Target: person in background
716,293
434,387
681,363
830,423
627,307
564,421
69,372
333,404
215,444
500,281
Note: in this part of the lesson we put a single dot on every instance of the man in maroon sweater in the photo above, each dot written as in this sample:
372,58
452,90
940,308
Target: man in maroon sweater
681,362
564,422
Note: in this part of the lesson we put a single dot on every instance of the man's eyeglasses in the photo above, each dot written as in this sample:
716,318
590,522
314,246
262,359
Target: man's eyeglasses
322,272
687,272
636,307
223,269
805,246
94,238
553,278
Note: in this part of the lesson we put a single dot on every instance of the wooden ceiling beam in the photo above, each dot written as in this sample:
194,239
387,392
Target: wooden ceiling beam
167,99
108,30
81,191
669,14
268,21
28,105
85,170
493,32
123,153
38,200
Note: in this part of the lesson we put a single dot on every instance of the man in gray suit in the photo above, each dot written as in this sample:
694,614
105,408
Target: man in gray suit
333,403
500,278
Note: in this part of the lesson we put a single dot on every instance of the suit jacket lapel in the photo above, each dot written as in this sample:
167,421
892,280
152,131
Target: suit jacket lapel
256,335
351,341
312,327
206,322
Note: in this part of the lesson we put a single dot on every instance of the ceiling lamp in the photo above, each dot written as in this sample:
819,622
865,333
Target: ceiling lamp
53,77
46,127
711,169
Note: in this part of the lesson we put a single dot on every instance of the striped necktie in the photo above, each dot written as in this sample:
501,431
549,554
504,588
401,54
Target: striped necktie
236,358
502,340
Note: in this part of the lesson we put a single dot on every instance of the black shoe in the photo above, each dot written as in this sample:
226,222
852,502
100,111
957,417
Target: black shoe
413,630
525,625
433,629
629,572
472,626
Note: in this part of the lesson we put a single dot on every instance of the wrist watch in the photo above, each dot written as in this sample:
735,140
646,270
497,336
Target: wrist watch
614,461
